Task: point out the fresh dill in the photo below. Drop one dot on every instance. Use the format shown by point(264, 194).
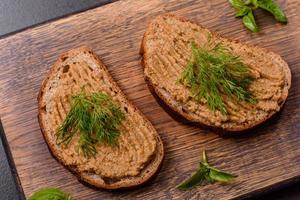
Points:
point(213, 71)
point(95, 117)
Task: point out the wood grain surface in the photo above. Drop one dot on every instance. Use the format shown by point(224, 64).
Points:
point(265, 158)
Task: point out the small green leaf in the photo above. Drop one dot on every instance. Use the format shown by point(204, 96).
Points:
point(204, 157)
point(205, 172)
point(220, 176)
point(237, 4)
point(249, 22)
point(50, 194)
point(253, 2)
point(196, 179)
point(274, 9)
point(240, 8)
point(242, 12)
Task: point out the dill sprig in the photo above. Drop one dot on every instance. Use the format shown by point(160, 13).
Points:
point(212, 71)
point(95, 118)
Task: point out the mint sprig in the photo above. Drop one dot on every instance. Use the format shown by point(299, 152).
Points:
point(205, 172)
point(244, 9)
point(50, 194)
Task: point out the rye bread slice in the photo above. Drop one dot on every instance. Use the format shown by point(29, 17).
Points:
point(140, 151)
point(166, 50)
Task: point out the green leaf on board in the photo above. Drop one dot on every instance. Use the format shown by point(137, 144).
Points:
point(50, 194)
point(205, 172)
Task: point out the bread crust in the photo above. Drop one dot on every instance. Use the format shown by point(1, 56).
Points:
point(177, 112)
point(90, 178)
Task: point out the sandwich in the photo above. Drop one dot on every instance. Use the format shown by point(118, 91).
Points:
point(210, 80)
point(92, 128)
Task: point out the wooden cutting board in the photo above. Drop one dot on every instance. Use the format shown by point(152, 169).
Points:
point(266, 158)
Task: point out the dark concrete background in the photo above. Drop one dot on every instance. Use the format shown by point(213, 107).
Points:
point(16, 15)
point(19, 14)
point(9, 185)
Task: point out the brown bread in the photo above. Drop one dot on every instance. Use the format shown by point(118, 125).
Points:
point(139, 152)
point(166, 49)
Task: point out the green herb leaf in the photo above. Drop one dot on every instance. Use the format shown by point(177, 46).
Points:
point(95, 118)
point(237, 4)
point(204, 157)
point(50, 194)
point(253, 2)
point(213, 71)
point(220, 176)
point(240, 8)
point(274, 9)
point(196, 179)
point(249, 22)
point(243, 12)
point(205, 172)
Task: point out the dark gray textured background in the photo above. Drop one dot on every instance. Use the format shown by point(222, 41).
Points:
point(16, 15)
point(19, 14)
point(9, 186)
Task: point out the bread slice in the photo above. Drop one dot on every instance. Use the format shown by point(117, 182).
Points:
point(166, 49)
point(139, 152)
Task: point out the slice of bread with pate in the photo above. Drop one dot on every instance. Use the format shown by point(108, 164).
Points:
point(166, 51)
point(139, 152)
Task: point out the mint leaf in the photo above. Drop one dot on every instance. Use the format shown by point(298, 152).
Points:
point(237, 4)
point(274, 9)
point(205, 172)
point(253, 2)
point(220, 176)
point(249, 22)
point(243, 10)
point(196, 179)
point(204, 157)
point(50, 194)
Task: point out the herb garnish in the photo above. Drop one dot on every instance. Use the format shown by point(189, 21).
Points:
point(245, 10)
point(95, 117)
point(205, 172)
point(50, 193)
point(212, 71)
point(270, 6)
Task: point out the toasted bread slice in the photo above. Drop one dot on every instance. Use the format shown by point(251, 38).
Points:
point(166, 49)
point(139, 152)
